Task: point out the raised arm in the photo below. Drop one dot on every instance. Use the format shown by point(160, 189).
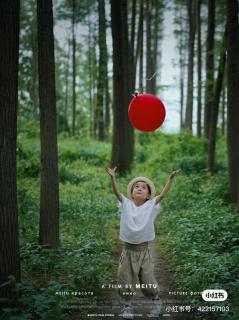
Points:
point(111, 173)
point(167, 186)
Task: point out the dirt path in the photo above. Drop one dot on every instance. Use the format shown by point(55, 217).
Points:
point(112, 305)
point(109, 304)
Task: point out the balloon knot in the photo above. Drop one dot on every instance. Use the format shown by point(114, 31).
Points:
point(135, 93)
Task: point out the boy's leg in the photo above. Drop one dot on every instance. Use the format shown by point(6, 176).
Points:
point(151, 289)
point(147, 278)
point(127, 277)
point(127, 274)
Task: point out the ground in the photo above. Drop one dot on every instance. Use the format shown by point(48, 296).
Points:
point(112, 304)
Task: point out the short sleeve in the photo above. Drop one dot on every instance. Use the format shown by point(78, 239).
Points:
point(156, 205)
point(120, 204)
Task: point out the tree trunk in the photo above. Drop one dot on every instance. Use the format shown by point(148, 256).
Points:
point(192, 27)
point(139, 49)
point(209, 67)
point(233, 99)
point(132, 45)
point(93, 77)
point(102, 70)
point(199, 64)
point(34, 62)
point(149, 58)
point(156, 24)
point(122, 146)
point(49, 200)
point(90, 77)
point(223, 110)
point(182, 60)
point(214, 111)
point(9, 243)
point(107, 105)
point(92, 67)
point(107, 93)
point(73, 68)
point(66, 85)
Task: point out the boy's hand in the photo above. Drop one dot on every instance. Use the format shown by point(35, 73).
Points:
point(167, 186)
point(173, 174)
point(111, 171)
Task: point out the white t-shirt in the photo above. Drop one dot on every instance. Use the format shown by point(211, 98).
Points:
point(137, 223)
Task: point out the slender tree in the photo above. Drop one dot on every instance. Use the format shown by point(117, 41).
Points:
point(9, 243)
point(92, 67)
point(67, 65)
point(122, 146)
point(140, 46)
point(34, 91)
point(233, 99)
point(107, 103)
point(157, 22)
point(149, 54)
point(199, 66)
point(181, 34)
point(215, 108)
point(132, 44)
point(191, 5)
point(223, 109)
point(49, 199)
point(209, 67)
point(73, 26)
point(102, 72)
point(94, 84)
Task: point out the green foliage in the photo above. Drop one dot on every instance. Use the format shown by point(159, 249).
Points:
point(34, 302)
point(92, 154)
point(86, 205)
point(28, 129)
point(28, 207)
point(198, 229)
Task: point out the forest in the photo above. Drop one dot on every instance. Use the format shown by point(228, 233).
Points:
point(68, 72)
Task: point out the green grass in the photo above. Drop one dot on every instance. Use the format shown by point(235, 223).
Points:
point(197, 227)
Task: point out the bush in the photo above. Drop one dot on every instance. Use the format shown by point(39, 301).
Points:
point(198, 228)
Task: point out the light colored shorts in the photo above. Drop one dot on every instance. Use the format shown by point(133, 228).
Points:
point(136, 271)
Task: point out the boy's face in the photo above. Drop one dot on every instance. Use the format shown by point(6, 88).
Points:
point(141, 191)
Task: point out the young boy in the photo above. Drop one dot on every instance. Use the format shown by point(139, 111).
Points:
point(138, 213)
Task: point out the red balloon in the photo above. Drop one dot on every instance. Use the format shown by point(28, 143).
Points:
point(146, 112)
